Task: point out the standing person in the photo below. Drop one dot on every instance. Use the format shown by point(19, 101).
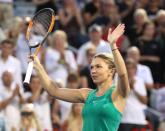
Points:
point(103, 106)
point(142, 71)
point(59, 61)
point(133, 115)
point(40, 101)
point(95, 34)
point(151, 51)
point(9, 62)
point(11, 98)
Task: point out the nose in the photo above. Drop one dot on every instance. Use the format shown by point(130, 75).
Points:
point(93, 71)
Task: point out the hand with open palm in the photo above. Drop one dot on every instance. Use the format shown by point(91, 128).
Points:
point(114, 35)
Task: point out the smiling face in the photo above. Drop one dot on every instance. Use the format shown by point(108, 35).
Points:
point(100, 71)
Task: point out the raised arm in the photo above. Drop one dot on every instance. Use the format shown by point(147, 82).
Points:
point(70, 95)
point(123, 87)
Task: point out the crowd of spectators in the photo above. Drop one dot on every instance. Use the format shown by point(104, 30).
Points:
point(80, 31)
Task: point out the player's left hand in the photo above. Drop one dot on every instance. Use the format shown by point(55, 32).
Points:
point(116, 33)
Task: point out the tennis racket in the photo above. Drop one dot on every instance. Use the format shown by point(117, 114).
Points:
point(38, 30)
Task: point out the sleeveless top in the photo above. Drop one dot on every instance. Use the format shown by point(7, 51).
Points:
point(99, 113)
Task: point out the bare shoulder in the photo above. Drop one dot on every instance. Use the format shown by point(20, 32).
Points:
point(84, 92)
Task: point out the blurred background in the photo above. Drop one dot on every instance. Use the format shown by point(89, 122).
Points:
point(80, 31)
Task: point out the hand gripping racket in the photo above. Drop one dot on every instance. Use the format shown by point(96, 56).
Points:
point(38, 30)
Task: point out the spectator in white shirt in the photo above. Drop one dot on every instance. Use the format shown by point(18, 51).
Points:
point(41, 103)
point(9, 62)
point(143, 71)
point(10, 100)
point(95, 34)
point(22, 49)
point(160, 106)
point(58, 60)
point(133, 115)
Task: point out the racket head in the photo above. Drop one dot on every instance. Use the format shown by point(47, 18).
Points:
point(39, 27)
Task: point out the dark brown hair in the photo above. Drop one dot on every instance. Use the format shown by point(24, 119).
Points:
point(8, 41)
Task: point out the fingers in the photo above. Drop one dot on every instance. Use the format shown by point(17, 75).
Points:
point(110, 31)
point(122, 26)
point(32, 58)
point(36, 62)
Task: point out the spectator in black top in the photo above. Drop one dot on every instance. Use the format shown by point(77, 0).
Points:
point(140, 17)
point(150, 50)
point(127, 8)
point(71, 22)
point(161, 38)
point(89, 12)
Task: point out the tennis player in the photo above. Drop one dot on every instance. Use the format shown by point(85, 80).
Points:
point(103, 106)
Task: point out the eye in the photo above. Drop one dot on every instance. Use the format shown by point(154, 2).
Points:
point(91, 67)
point(98, 66)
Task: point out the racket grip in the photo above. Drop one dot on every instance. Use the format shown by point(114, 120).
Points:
point(28, 74)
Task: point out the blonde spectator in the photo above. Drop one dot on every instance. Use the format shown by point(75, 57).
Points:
point(140, 13)
point(150, 56)
point(140, 17)
point(58, 60)
point(160, 15)
point(6, 13)
point(29, 120)
point(160, 20)
point(14, 29)
point(74, 121)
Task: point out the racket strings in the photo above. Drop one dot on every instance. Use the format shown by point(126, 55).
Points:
point(42, 22)
point(41, 26)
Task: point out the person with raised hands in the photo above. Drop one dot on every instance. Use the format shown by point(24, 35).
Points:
point(104, 105)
